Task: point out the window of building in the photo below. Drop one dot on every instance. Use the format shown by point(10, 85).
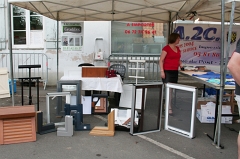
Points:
point(27, 27)
point(137, 38)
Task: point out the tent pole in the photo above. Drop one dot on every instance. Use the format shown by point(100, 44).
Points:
point(219, 103)
point(57, 43)
point(10, 50)
point(223, 77)
point(169, 24)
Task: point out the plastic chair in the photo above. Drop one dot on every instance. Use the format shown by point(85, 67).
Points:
point(119, 68)
point(85, 64)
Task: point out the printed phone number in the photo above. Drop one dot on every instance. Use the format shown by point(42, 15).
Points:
point(140, 32)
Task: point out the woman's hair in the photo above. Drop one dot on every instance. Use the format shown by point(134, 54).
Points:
point(173, 37)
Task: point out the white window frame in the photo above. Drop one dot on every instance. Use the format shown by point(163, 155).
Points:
point(171, 86)
point(38, 43)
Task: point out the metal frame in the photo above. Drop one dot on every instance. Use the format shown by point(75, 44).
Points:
point(20, 59)
point(143, 107)
point(78, 83)
point(55, 94)
point(99, 96)
point(194, 90)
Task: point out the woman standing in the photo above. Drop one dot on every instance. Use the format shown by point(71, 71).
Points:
point(170, 62)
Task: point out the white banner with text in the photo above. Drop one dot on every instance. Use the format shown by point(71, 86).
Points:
point(200, 44)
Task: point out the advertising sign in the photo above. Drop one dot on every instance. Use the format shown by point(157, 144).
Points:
point(72, 36)
point(200, 44)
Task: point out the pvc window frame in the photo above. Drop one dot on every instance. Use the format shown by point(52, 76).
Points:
point(194, 90)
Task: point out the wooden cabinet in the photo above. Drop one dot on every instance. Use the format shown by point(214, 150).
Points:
point(17, 124)
point(94, 71)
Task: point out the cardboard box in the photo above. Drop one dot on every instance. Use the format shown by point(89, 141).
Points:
point(94, 71)
point(207, 113)
point(226, 98)
point(199, 103)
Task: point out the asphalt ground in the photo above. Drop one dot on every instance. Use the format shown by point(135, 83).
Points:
point(81, 145)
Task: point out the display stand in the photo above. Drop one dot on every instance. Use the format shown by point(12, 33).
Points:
point(78, 122)
point(137, 69)
point(55, 94)
point(105, 131)
point(68, 129)
point(68, 108)
point(78, 116)
point(46, 128)
point(29, 78)
point(77, 83)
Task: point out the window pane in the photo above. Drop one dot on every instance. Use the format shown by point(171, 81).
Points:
point(137, 37)
point(77, 41)
point(17, 11)
point(65, 41)
point(33, 13)
point(19, 23)
point(36, 22)
point(71, 41)
point(19, 37)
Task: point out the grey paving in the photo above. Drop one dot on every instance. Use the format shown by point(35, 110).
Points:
point(158, 145)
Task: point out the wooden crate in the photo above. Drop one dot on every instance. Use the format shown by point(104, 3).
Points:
point(17, 124)
point(94, 71)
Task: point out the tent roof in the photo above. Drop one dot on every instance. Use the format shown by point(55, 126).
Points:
point(211, 10)
point(125, 10)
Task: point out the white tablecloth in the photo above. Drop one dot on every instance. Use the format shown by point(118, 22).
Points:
point(113, 84)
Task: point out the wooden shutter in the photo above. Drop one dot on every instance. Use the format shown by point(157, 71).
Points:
point(17, 124)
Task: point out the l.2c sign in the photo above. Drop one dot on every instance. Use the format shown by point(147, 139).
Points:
point(198, 33)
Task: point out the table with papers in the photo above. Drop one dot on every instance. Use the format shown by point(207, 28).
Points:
point(201, 77)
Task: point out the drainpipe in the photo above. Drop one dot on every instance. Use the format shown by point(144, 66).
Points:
point(57, 43)
point(10, 50)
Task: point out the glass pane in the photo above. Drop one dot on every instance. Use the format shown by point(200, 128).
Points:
point(181, 106)
point(150, 108)
point(132, 39)
point(180, 109)
point(33, 13)
point(19, 37)
point(77, 41)
point(17, 11)
point(36, 23)
point(150, 118)
point(19, 23)
point(71, 41)
point(65, 41)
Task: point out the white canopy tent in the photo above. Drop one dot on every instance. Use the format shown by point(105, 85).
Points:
point(112, 10)
point(162, 11)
